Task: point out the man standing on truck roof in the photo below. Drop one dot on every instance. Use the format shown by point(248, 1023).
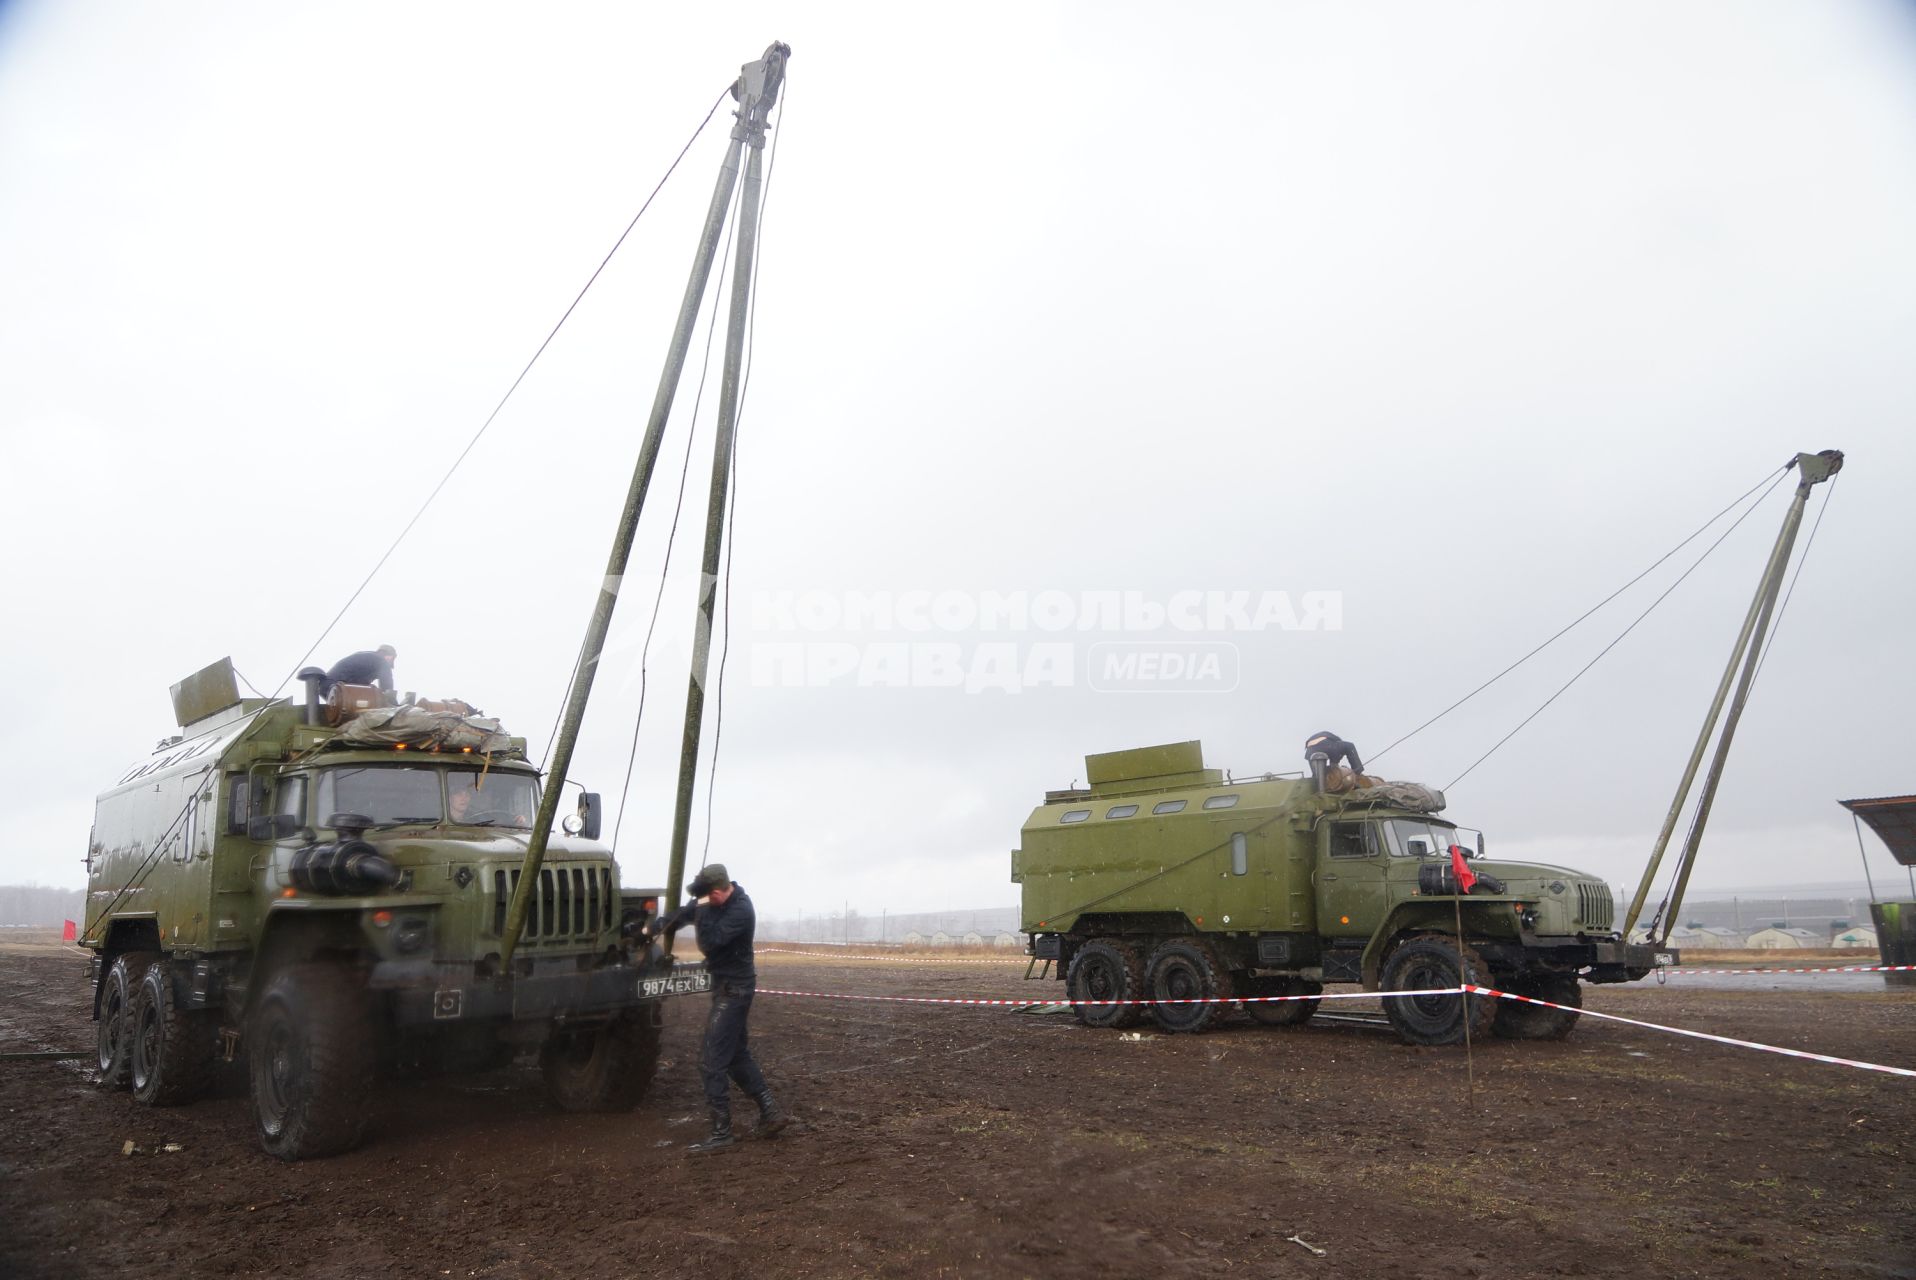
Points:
point(368, 666)
point(726, 924)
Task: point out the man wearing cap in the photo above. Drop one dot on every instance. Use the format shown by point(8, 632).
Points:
point(368, 666)
point(726, 923)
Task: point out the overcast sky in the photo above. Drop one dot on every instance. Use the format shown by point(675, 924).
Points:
point(1461, 314)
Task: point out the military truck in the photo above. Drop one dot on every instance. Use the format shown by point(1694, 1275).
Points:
point(322, 890)
point(1163, 881)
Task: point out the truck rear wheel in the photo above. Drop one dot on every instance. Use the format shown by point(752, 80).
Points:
point(173, 1049)
point(1519, 1021)
point(1103, 973)
point(1187, 971)
point(113, 1039)
point(310, 1053)
point(1287, 1013)
point(1433, 961)
point(603, 1068)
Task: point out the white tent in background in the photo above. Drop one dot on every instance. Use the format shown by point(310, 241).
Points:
point(1783, 938)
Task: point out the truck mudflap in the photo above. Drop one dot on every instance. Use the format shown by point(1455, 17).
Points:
point(1629, 961)
point(424, 992)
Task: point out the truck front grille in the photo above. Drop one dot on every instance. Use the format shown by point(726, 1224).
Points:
point(568, 903)
point(1595, 905)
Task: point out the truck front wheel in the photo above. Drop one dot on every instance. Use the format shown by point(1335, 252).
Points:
point(1103, 975)
point(603, 1068)
point(1189, 989)
point(113, 1040)
point(173, 1049)
point(310, 1051)
point(1431, 962)
point(1519, 1021)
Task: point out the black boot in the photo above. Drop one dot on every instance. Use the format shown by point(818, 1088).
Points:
point(771, 1116)
point(720, 1138)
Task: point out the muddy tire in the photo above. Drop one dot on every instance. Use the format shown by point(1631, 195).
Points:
point(113, 1038)
point(1101, 973)
point(1430, 961)
point(173, 1050)
point(1181, 971)
point(603, 1068)
point(1518, 1021)
point(1290, 1013)
point(310, 1051)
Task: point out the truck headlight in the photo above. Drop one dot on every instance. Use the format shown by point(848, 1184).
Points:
point(412, 935)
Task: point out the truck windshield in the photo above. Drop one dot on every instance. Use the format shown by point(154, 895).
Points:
point(481, 799)
point(1425, 838)
point(387, 794)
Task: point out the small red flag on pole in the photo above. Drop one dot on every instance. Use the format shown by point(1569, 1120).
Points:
point(71, 933)
point(1465, 876)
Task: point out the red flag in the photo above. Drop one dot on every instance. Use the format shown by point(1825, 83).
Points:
point(1465, 876)
point(71, 933)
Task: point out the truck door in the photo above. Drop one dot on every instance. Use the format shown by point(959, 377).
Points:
point(1351, 872)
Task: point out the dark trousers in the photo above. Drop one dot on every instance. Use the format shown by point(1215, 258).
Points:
point(726, 1056)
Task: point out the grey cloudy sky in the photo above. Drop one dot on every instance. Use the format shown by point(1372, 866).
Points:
point(1463, 312)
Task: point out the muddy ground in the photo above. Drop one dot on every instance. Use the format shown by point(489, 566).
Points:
point(949, 1141)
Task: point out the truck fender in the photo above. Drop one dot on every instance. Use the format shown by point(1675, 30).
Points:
point(1427, 916)
point(141, 933)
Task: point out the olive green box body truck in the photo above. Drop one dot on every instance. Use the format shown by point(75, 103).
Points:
point(1161, 881)
point(335, 910)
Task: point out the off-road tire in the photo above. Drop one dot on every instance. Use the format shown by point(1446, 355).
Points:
point(173, 1050)
point(113, 1038)
point(1289, 1013)
point(1187, 970)
point(310, 1050)
point(603, 1068)
point(1516, 1020)
point(1434, 961)
point(1101, 972)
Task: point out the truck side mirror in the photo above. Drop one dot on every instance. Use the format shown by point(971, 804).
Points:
point(587, 821)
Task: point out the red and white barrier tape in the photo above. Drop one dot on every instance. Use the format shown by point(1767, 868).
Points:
point(1667, 973)
point(1101, 1004)
point(1848, 968)
point(1368, 995)
point(1703, 1035)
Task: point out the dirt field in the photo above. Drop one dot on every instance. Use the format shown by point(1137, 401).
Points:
point(942, 1141)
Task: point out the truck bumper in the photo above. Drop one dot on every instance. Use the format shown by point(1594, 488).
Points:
point(424, 992)
point(1628, 961)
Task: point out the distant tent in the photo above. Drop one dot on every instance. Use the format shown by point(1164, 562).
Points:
point(941, 939)
point(1861, 936)
point(914, 939)
point(1005, 940)
point(1782, 938)
point(974, 939)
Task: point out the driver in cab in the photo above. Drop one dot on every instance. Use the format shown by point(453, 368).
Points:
point(467, 804)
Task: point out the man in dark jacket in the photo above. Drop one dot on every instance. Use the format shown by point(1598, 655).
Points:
point(726, 923)
point(368, 666)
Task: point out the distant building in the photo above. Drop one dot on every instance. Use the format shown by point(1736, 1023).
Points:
point(1780, 937)
point(941, 939)
point(1859, 936)
point(974, 939)
point(914, 939)
point(1011, 940)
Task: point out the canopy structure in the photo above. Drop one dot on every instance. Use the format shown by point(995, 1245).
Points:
point(1894, 819)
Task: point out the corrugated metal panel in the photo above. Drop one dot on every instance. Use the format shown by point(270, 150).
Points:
point(1894, 819)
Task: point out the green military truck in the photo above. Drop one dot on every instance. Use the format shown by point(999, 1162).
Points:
point(323, 889)
point(1162, 881)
